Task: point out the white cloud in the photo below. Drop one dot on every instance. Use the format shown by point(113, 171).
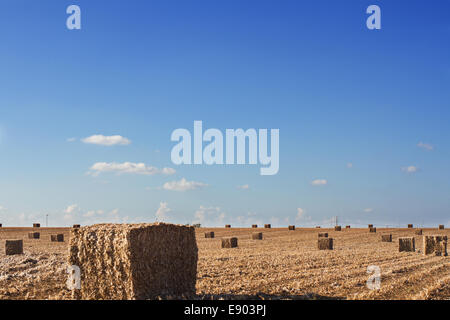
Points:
point(183, 185)
point(349, 165)
point(71, 139)
point(72, 208)
point(300, 213)
point(425, 146)
point(244, 187)
point(127, 167)
point(209, 215)
point(163, 210)
point(410, 169)
point(368, 210)
point(319, 182)
point(93, 213)
point(106, 140)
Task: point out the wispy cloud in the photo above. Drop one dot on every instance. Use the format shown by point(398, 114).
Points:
point(162, 212)
point(71, 139)
point(71, 208)
point(183, 185)
point(127, 167)
point(368, 210)
point(425, 146)
point(319, 182)
point(209, 215)
point(100, 139)
point(244, 187)
point(410, 169)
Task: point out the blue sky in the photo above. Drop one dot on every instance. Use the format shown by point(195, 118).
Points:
point(339, 93)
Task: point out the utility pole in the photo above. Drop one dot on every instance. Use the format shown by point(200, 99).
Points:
point(46, 219)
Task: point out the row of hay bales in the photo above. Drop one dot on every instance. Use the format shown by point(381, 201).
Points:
point(336, 228)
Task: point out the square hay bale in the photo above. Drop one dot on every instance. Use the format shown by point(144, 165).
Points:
point(406, 244)
point(418, 232)
point(13, 247)
point(134, 261)
point(410, 226)
point(267, 226)
point(318, 227)
point(370, 226)
point(435, 245)
point(1, 225)
point(291, 228)
point(34, 235)
point(229, 242)
point(36, 225)
point(76, 226)
point(337, 228)
point(228, 226)
point(325, 243)
point(57, 238)
point(441, 227)
point(209, 234)
point(386, 238)
point(347, 227)
point(323, 235)
point(373, 230)
point(257, 236)
point(254, 226)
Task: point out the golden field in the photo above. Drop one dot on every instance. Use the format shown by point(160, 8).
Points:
point(284, 265)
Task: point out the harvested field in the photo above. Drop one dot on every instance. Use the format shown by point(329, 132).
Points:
point(286, 265)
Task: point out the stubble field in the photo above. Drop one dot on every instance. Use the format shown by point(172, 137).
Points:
point(284, 265)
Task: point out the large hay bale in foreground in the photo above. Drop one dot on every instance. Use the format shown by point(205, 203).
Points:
point(323, 235)
point(267, 226)
point(418, 232)
point(13, 247)
point(373, 230)
point(441, 227)
point(140, 261)
point(435, 245)
point(325, 243)
point(406, 244)
point(57, 237)
point(386, 238)
point(229, 242)
point(410, 226)
point(209, 234)
point(257, 236)
point(36, 225)
point(337, 228)
point(292, 228)
point(254, 226)
point(34, 235)
point(228, 226)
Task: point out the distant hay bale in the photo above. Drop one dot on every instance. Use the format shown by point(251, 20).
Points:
point(34, 235)
point(134, 261)
point(323, 235)
point(13, 247)
point(267, 226)
point(209, 234)
point(325, 243)
point(76, 226)
point(318, 227)
point(418, 232)
point(291, 228)
point(1, 225)
point(370, 226)
point(228, 226)
point(229, 242)
point(257, 236)
point(36, 225)
point(386, 238)
point(435, 245)
point(410, 226)
point(337, 228)
point(254, 226)
point(57, 238)
point(347, 227)
point(373, 230)
point(406, 244)
point(441, 227)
